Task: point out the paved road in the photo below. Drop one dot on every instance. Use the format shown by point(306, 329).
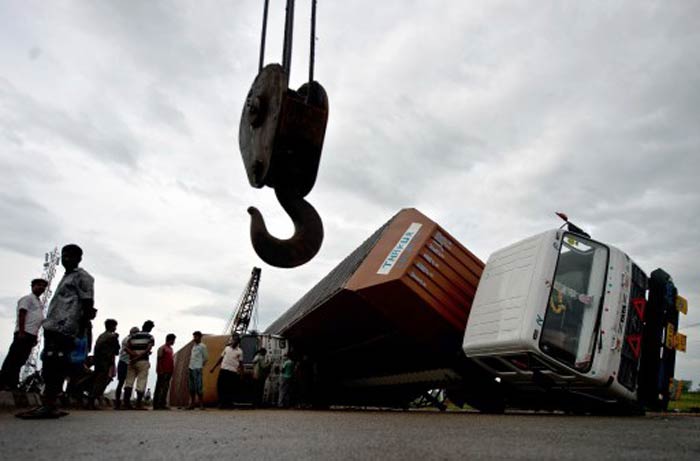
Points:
point(276, 434)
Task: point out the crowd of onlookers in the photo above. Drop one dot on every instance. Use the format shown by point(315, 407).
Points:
point(70, 361)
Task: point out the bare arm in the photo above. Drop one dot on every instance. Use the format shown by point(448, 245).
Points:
point(115, 345)
point(138, 355)
point(218, 362)
point(22, 320)
point(147, 352)
point(131, 353)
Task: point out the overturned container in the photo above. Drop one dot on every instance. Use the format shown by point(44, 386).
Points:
point(387, 323)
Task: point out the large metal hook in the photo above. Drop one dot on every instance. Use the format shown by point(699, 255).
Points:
point(281, 137)
point(296, 250)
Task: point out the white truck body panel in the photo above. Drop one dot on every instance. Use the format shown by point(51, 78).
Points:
point(504, 311)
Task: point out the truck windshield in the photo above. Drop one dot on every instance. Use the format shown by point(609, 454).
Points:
point(568, 333)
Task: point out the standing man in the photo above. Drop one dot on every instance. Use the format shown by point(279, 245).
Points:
point(286, 377)
point(261, 370)
point(106, 348)
point(164, 368)
point(198, 359)
point(30, 314)
point(122, 368)
point(70, 312)
point(139, 349)
point(231, 362)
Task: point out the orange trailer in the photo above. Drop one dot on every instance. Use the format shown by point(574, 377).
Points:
point(390, 315)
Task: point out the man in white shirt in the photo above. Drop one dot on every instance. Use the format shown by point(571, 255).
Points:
point(198, 359)
point(30, 314)
point(231, 362)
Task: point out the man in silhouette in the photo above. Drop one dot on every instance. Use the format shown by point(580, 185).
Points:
point(71, 309)
point(30, 314)
point(139, 349)
point(164, 369)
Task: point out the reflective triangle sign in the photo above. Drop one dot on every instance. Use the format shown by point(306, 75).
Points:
point(635, 342)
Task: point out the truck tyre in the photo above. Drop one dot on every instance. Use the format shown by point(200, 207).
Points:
point(491, 405)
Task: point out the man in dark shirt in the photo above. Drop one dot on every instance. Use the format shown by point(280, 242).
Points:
point(164, 369)
point(139, 349)
point(68, 318)
point(106, 348)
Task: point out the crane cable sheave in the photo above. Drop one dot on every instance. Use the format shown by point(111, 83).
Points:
point(281, 136)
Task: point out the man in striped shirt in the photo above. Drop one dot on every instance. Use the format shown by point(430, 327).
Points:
point(139, 349)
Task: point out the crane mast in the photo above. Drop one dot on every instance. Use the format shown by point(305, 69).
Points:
point(240, 319)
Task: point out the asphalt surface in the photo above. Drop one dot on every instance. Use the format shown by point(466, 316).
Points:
point(386, 435)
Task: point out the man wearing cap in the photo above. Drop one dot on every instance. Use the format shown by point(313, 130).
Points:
point(71, 309)
point(30, 314)
point(198, 358)
point(139, 349)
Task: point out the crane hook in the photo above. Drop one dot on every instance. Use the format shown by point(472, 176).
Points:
point(281, 137)
point(300, 247)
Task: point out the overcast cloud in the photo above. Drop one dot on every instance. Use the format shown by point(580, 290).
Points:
point(119, 124)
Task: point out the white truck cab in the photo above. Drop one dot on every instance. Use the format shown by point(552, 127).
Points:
point(560, 311)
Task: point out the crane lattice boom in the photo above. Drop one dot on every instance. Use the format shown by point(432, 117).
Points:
point(240, 319)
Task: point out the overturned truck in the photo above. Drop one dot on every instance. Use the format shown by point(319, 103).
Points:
point(556, 321)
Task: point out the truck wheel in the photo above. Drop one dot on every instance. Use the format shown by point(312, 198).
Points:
point(621, 409)
point(488, 406)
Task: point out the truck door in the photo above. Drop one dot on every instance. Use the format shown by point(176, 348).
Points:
point(573, 312)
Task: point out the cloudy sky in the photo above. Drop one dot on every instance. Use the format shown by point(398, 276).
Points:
point(119, 131)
